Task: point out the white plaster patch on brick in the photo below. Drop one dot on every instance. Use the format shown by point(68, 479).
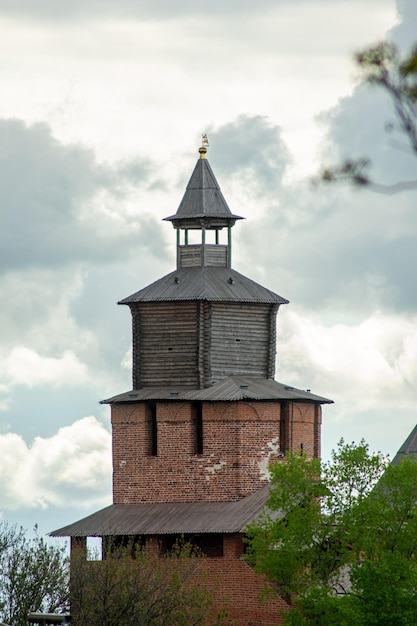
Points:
point(216, 467)
point(271, 448)
point(122, 463)
point(263, 466)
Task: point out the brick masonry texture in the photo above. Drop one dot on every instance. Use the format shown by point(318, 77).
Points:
point(238, 589)
point(240, 440)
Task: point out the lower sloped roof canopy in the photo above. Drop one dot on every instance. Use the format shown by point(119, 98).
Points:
point(170, 518)
point(231, 388)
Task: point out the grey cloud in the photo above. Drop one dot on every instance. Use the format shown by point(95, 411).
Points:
point(250, 148)
point(47, 192)
point(51, 9)
point(404, 33)
point(351, 251)
point(55, 407)
point(64, 263)
point(365, 125)
point(336, 251)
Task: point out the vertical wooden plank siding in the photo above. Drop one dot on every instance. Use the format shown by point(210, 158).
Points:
point(272, 339)
point(135, 348)
point(240, 339)
point(198, 343)
point(166, 344)
point(204, 344)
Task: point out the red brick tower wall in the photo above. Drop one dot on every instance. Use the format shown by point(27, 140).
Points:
point(238, 590)
point(239, 441)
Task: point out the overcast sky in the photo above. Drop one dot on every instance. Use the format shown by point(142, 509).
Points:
point(102, 108)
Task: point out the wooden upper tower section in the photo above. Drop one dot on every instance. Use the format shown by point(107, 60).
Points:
point(204, 321)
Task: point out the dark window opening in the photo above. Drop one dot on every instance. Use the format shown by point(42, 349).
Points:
point(317, 410)
point(122, 546)
point(198, 427)
point(152, 429)
point(284, 428)
point(208, 544)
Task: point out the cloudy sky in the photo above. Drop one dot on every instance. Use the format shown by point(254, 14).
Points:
point(102, 108)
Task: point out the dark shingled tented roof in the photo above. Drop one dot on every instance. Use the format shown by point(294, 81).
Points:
point(409, 447)
point(170, 518)
point(231, 388)
point(202, 197)
point(213, 284)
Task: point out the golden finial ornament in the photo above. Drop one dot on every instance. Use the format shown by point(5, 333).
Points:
point(204, 146)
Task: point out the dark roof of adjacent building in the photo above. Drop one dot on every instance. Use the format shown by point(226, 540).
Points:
point(229, 389)
point(167, 518)
point(212, 284)
point(202, 197)
point(409, 447)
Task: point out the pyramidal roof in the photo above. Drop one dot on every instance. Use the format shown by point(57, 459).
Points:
point(203, 197)
point(409, 448)
point(212, 284)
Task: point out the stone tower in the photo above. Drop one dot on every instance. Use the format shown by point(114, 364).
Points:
point(193, 439)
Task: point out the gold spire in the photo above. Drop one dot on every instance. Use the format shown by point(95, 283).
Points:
point(204, 146)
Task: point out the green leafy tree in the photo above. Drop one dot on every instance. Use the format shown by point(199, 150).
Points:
point(344, 548)
point(381, 66)
point(34, 575)
point(138, 586)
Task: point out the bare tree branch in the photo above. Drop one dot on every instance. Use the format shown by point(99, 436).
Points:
point(381, 66)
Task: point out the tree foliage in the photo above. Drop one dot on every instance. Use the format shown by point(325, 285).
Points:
point(381, 66)
point(138, 586)
point(34, 575)
point(344, 549)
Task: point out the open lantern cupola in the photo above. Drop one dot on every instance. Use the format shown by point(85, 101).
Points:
point(203, 208)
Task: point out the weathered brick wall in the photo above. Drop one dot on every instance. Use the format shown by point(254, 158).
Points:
point(304, 428)
point(235, 588)
point(238, 590)
point(240, 440)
